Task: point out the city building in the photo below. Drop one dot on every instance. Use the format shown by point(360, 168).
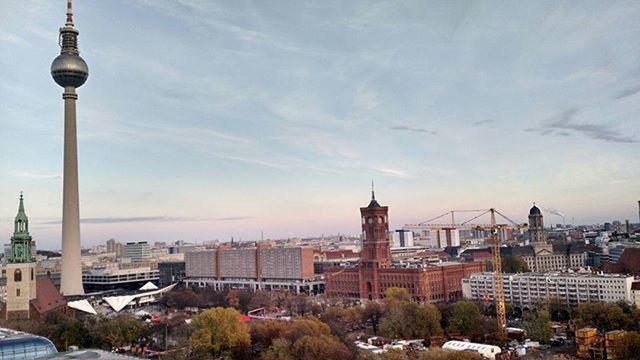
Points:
point(137, 251)
point(531, 289)
point(19, 345)
point(109, 278)
point(257, 268)
point(21, 269)
point(635, 293)
point(375, 271)
point(403, 238)
point(171, 272)
point(70, 71)
point(24, 293)
point(550, 257)
point(115, 247)
point(542, 256)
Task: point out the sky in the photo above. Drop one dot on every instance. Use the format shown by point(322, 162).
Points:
point(204, 120)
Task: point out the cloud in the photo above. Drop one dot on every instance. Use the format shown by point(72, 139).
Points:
point(483, 122)
point(564, 124)
point(29, 175)
point(413, 129)
point(627, 92)
point(136, 219)
point(393, 173)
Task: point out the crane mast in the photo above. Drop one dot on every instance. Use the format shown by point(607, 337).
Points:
point(498, 285)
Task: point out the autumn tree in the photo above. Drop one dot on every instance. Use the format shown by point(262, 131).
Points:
point(538, 325)
point(372, 313)
point(342, 320)
point(558, 309)
point(218, 332)
point(280, 350)
point(604, 316)
point(628, 347)
point(410, 320)
point(439, 354)
point(396, 294)
point(64, 331)
point(466, 319)
point(180, 299)
point(308, 326)
point(264, 333)
point(323, 347)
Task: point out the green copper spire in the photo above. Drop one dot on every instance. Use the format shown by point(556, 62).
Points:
point(21, 240)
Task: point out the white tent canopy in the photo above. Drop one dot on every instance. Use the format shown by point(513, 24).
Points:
point(82, 305)
point(120, 302)
point(149, 286)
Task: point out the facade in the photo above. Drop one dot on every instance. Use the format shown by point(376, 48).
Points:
point(255, 268)
point(137, 251)
point(70, 71)
point(550, 257)
point(635, 293)
point(21, 269)
point(532, 289)
point(402, 238)
point(542, 256)
point(109, 279)
point(375, 272)
point(171, 272)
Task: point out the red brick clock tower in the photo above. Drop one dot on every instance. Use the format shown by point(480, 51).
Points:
point(376, 250)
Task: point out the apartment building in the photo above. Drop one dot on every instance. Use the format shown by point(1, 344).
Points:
point(530, 289)
point(255, 268)
point(137, 251)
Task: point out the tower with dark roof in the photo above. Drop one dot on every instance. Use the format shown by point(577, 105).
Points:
point(536, 226)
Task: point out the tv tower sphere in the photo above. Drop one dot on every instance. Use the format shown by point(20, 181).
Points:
point(69, 70)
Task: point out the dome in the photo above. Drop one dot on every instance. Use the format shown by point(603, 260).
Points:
point(534, 211)
point(69, 70)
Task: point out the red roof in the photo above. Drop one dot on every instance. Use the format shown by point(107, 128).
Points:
point(629, 262)
point(244, 318)
point(340, 254)
point(47, 296)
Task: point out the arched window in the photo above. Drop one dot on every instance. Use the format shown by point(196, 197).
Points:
point(17, 275)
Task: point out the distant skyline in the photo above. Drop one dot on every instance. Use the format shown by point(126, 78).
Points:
point(204, 120)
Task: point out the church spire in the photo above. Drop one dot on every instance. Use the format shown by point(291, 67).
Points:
point(373, 202)
point(21, 240)
point(373, 191)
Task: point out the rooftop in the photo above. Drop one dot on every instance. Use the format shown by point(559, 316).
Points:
point(565, 274)
point(86, 354)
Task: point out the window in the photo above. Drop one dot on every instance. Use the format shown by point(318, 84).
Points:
point(17, 275)
point(31, 273)
point(17, 292)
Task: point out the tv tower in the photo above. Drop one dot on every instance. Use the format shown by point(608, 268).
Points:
point(70, 71)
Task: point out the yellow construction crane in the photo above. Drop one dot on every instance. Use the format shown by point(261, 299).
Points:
point(498, 284)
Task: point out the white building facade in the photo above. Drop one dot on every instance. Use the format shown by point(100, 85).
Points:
point(531, 289)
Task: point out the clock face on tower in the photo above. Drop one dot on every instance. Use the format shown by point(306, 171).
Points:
point(370, 221)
